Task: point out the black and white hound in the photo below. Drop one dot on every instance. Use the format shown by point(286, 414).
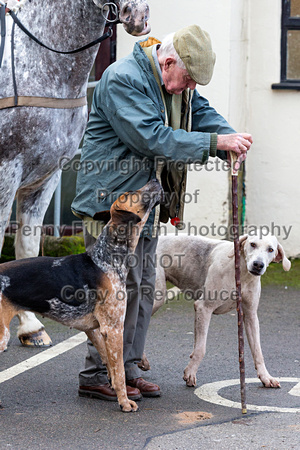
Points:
point(86, 291)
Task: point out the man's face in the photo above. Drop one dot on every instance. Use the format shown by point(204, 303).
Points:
point(175, 79)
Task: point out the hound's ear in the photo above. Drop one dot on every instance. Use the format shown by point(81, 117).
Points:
point(286, 264)
point(121, 217)
point(242, 240)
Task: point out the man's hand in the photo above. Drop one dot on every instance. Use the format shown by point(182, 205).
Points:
point(239, 143)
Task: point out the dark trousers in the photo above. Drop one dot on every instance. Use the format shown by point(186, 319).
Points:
point(140, 296)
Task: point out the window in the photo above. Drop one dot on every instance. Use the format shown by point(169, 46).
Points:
point(105, 57)
point(290, 46)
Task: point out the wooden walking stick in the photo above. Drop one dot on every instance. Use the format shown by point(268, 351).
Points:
point(235, 222)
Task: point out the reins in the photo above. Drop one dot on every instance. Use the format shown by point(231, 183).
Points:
point(54, 103)
point(108, 34)
point(3, 30)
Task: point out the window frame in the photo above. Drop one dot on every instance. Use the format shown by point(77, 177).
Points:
point(287, 23)
point(106, 55)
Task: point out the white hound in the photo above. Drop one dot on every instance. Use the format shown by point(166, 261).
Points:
point(203, 269)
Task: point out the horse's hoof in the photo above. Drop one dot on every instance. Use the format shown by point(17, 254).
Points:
point(38, 339)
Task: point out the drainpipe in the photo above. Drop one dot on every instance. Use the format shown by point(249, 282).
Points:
point(57, 209)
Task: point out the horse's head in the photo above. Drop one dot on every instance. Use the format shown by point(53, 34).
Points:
point(133, 14)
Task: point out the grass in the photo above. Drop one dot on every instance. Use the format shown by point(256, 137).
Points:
point(276, 276)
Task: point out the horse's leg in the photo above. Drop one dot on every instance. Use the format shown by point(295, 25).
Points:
point(31, 209)
point(10, 177)
point(8, 191)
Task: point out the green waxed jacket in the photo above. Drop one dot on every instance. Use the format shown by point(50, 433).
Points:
point(126, 135)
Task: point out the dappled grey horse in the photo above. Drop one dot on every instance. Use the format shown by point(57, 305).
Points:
point(35, 138)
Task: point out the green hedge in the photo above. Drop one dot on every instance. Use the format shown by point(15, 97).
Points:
point(51, 247)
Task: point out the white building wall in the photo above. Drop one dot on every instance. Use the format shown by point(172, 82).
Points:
point(246, 39)
point(213, 16)
point(273, 187)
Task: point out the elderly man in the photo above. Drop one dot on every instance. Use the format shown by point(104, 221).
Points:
point(147, 113)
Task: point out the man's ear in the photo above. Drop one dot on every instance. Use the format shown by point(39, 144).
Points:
point(122, 217)
point(169, 62)
point(280, 256)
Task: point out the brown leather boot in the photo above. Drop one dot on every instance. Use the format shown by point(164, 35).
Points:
point(146, 388)
point(106, 392)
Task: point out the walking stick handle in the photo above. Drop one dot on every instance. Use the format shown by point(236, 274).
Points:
point(234, 166)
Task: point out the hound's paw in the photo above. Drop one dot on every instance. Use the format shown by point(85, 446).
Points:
point(269, 382)
point(189, 377)
point(129, 406)
point(144, 364)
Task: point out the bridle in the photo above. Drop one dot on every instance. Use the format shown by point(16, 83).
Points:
point(113, 14)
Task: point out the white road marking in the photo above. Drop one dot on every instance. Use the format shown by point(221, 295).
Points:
point(295, 390)
point(209, 393)
point(42, 357)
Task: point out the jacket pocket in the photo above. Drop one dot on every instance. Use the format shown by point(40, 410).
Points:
point(119, 185)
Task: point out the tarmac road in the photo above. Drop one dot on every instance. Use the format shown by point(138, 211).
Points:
point(41, 409)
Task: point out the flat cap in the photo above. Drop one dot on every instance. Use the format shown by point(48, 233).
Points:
point(193, 46)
